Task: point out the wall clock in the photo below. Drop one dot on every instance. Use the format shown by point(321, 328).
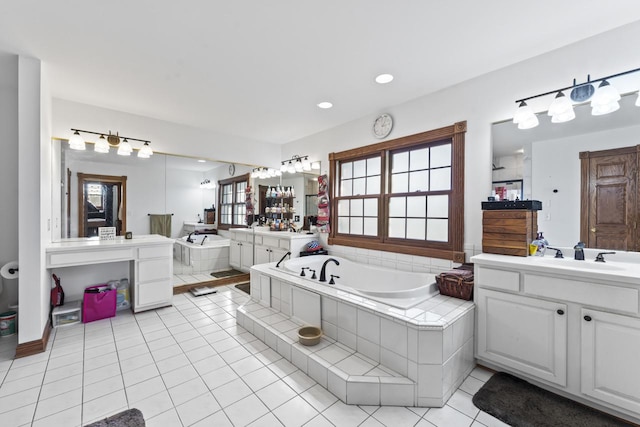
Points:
point(382, 126)
point(232, 169)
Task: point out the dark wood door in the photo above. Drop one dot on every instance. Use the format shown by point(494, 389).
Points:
point(609, 199)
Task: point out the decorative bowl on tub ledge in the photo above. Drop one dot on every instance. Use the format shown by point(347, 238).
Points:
point(309, 335)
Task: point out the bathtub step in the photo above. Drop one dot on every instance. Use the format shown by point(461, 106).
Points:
point(351, 376)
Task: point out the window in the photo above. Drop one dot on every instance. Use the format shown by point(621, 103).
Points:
point(231, 200)
point(404, 195)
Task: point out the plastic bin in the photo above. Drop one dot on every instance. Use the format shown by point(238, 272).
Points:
point(67, 314)
point(7, 323)
point(99, 302)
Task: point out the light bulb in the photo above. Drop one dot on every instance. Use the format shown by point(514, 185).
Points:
point(125, 148)
point(306, 164)
point(102, 146)
point(145, 152)
point(76, 142)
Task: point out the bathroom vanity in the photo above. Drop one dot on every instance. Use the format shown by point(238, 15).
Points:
point(260, 245)
point(149, 257)
point(569, 326)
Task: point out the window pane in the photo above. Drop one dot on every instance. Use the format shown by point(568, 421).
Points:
point(419, 159)
point(419, 181)
point(373, 185)
point(400, 183)
point(400, 162)
point(346, 170)
point(356, 207)
point(396, 227)
point(417, 206)
point(370, 226)
point(438, 206)
point(415, 228)
point(438, 230)
point(373, 166)
point(441, 156)
point(359, 168)
point(343, 224)
point(441, 179)
point(356, 225)
point(345, 188)
point(397, 206)
point(343, 208)
point(359, 186)
point(371, 207)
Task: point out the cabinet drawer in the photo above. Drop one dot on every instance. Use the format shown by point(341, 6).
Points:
point(154, 252)
point(152, 270)
point(156, 292)
point(80, 257)
point(593, 294)
point(498, 279)
point(270, 241)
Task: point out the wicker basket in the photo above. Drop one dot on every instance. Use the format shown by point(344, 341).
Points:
point(456, 283)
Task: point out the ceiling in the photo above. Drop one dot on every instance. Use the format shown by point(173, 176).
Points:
point(257, 69)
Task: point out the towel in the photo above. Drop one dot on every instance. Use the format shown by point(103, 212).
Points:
point(160, 224)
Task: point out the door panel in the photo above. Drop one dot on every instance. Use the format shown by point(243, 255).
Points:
point(609, 198)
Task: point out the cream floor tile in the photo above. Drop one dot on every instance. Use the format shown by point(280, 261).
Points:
point(276, 394)
point(102, 388)
point(168, 418)
point(239, 415)
point(231, 392)
point(447, 417)
point(144, 389)
point(155, 404)
point(396, 416)
point(295, 412)
point(198, 408)
point(187, 391)
point(60, 402)
point(19, 416)
point(71, 417)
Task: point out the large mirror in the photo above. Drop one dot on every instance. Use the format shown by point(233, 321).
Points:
point(546, 159)
point(122, 191)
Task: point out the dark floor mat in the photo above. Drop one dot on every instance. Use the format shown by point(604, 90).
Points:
point(226, 273)
point(520, 404)
point(129, 418)
point(244, 287)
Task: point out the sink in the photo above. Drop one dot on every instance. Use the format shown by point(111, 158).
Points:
point(577, 265)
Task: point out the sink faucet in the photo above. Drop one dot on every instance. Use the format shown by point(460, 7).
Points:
point(578, 255)
point(189, 239)
point(323, 271)
point(203, 239)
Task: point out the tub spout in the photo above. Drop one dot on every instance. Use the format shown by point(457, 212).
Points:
point(203, 239)
point(282, 259)
point(189, 239)
point(323, 272)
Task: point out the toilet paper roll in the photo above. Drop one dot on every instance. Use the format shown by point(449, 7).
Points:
point(6, 274)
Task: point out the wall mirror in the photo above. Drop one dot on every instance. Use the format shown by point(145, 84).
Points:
point(546, 158)
point(163, 183)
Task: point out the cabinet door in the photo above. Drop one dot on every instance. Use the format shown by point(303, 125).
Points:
point(247, 256)
point(263, 254)
point(610, 345)
point(522, 333)
point(234, 254)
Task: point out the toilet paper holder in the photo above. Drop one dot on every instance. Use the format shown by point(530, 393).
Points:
point(13, 270)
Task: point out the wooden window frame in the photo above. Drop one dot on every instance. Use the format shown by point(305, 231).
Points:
point(234, 181)
point(451, 250)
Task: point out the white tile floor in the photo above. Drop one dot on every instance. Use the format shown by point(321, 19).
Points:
point(190, 365)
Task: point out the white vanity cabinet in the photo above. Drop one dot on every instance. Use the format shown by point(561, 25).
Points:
point(526, 334)
point(609, 350)
point(250, 247)
point(271, 249)
point(573, 330)
point(152, 278)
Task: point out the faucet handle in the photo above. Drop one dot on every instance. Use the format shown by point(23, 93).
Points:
point(600, 256)
point(331, 281)
point(303, 269)
point(558, 252)
point(313, 275)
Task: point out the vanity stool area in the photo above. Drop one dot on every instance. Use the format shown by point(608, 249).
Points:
point(146, 260)
point(569, 326)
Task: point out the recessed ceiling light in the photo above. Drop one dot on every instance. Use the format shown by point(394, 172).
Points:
point(384, 78)
point(202, 161)
point(325, 105)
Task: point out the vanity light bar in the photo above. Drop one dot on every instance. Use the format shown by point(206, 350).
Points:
point(76, 142)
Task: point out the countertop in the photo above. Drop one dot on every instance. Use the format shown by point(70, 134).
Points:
point(91, 243)
point(264, 231)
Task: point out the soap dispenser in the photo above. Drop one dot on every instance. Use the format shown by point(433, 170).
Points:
point(541, 243)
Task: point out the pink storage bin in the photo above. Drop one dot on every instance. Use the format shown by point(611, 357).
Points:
point(99, 302)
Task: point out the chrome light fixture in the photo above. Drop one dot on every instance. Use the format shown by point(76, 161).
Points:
point(604, 100)
point(108, 140)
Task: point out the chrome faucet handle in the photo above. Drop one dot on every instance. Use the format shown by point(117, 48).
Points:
point(558, 252)
point(600, 256)
point(313, 274)
point(331, 281)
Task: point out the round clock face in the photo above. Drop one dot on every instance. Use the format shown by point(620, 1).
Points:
point(232, 169)
point(382, 126)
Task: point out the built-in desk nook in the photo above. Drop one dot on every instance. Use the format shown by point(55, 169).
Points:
point(147, 260)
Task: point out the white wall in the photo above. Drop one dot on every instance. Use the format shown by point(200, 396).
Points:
point(34, 186)
point(555, 166)
point(9, 171)
point(482, 101)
